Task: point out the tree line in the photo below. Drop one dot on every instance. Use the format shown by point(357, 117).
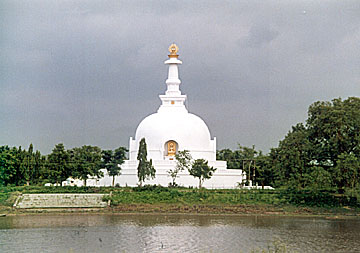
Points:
point(25, 167)
point(323, 153)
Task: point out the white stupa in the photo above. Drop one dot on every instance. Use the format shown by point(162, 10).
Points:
point(173, 125)
point(171, 129)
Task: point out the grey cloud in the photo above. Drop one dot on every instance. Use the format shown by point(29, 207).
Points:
point(87, 72)
point(260, 35)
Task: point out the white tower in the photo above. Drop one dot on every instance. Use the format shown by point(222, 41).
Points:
point(173, 97)
point(172, 127)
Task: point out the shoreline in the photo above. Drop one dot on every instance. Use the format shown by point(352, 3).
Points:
point(197, 210)
point(164, 201)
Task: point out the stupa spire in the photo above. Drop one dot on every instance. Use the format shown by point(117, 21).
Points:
point(173, 81)
point(173, 96)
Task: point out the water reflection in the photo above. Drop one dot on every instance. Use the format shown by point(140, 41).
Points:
point(174, 233)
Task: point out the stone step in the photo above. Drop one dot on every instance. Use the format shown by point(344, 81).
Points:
point(60, 200)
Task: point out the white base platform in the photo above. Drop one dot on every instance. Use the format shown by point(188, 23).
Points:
point(222, 179)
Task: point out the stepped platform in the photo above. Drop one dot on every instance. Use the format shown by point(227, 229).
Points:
point(58, 200)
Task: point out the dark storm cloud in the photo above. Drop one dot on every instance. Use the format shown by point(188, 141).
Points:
point(259, 35)
point(87, 72)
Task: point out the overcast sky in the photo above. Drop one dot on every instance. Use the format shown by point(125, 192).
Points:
point(87, 72)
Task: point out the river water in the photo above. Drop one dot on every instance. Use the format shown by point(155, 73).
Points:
point(175, 233)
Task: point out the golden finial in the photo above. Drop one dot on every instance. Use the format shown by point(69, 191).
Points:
point(173, 49)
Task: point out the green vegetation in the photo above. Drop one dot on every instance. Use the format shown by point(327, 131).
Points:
point(145, 168)
point(325, 152)
point(322, 155)
point(112, 161)
point(152, 194)
point(201, 170)
point(152, 198)
point(86, 162)
point(317, 164)
point(286, 196)
point(58, 164)
point(164, 195)
point(25, 167)
point(183, 162)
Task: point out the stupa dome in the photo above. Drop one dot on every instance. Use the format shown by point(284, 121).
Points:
point(187, 130)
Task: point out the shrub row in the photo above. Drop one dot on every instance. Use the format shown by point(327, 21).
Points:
point(319, 198)
point(152, 194)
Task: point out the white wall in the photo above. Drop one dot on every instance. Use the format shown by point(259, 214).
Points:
point(222, 178)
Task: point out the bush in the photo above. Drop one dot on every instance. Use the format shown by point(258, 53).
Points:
point(318, 197)
point(3, 198)
point(151, 188)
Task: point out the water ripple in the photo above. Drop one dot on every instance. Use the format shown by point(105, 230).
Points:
point(174, 233)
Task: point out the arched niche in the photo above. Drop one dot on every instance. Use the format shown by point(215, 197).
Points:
point(170, 148)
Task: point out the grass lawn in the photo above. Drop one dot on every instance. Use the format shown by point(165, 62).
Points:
point(185, 200)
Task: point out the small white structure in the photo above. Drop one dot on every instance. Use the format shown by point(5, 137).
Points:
point(170, 129)
point(74, 182)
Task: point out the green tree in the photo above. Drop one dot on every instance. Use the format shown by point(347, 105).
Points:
point(334, 132)
point(264, 174)
point(323, 153)
point(107, 156)
point(334, 128)
point(145, 169)
point(28, 165)
point(183, 162)
point(113, 160)
point(37, 176)
point(58, 164)
point(347, 170)
point(7, 165)
point(201, 170)
point(86, 162)
point(18, 178)
point(292, 157)
point(233, 159)
point(247, 159)
point(318, 178)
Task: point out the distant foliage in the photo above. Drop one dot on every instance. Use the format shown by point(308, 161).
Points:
point(112, 161)
point(18, 166)
point(251, 161)
point(316, 160)
point(324, 153)
point(58, 164)
point(86, 162)
point(26, 167)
